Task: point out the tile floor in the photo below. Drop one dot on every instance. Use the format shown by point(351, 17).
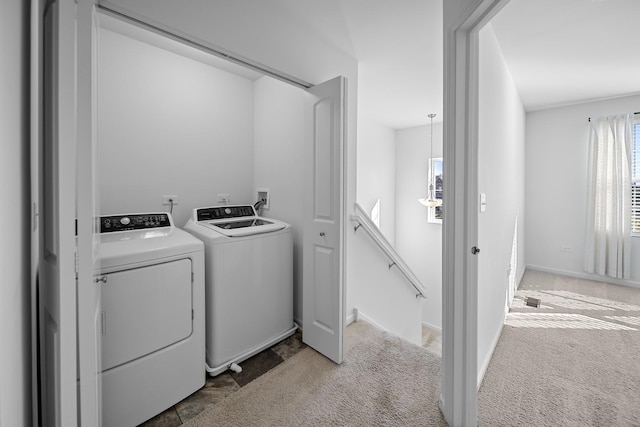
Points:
point(217, 388)
point(221, 386)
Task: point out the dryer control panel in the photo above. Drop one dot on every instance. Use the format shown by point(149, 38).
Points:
point(111, 223)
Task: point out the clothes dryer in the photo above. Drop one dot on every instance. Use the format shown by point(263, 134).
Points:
point(151, 323)
point(248, 282)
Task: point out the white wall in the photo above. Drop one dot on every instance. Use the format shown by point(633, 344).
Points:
point(557, 147)
point(382, 294)
point(376, 172)
point(169, 125)
point(501, 176)
point(280, 34)
point(419, 242)
point(15, 294)
point(279, 130)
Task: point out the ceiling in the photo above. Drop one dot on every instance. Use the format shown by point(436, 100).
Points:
point(558, 51)
point(399, 51)
point(570, 51)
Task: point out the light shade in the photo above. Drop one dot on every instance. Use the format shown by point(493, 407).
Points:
point(430, 203)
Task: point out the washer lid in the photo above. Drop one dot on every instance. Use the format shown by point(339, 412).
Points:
point(244, 226)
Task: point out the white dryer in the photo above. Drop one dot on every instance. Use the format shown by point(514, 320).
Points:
point(248, 282)
point(151, 279)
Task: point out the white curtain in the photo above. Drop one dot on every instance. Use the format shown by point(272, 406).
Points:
point(608, 249)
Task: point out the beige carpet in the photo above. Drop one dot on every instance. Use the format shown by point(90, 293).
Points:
point(575, 361)
point(384, 381)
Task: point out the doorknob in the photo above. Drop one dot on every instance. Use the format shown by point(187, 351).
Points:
point(475, 250)
point(322, 234)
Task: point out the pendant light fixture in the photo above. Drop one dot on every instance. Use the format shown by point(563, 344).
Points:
point(430, 201)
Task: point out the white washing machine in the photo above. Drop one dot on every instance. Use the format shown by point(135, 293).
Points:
point(151, 325)
point(248, 282)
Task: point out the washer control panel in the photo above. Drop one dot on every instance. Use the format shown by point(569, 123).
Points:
point(111, 223)
point(225, 212)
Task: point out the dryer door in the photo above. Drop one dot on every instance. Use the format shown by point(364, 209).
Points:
point(145, 309)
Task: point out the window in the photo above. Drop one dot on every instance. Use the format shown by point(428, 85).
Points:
point(435, 176)
point(375, 213)
point(635, 179)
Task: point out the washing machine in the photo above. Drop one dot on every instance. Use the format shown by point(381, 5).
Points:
point(151, 324)
point(248, 282)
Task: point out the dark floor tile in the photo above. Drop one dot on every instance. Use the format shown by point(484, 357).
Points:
point(203, 399)
point(290, 346)
point(168, 418)
point(255, 366)
point(222, 381)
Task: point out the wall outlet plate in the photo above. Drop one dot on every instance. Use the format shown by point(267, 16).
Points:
point(224, 198)
point(263, 194)
point(166, 200)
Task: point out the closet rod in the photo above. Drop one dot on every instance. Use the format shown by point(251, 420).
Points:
point(213, 50)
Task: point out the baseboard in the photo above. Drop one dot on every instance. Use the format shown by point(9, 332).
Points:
point(586, 276)
point(359, 315)
point(520, 276)
point(487, 360)
point(350, 319)
point(433, 327)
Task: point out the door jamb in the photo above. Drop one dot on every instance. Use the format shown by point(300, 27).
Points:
point(458, 398)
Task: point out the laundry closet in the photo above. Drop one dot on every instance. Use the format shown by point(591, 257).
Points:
point(174, 120)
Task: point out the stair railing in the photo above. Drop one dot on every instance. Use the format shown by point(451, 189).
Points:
point(361, 218)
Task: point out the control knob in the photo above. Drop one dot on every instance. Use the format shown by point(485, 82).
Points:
point(125, 220)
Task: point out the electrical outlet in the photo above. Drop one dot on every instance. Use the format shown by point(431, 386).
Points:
point(166, 200)
point(566, 249)
point(263, 194)
point(224, 198)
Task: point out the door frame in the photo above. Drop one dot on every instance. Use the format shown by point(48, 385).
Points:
point(88, 308)
point(85, 389)
point(459, 390)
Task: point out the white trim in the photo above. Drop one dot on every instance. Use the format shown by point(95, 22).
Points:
point(492, 349)
point(350, 318)
point(520, 276)
point(432, 327)
point(88, 299)
point(586, 276)
point(458, 399)
point(358, 315)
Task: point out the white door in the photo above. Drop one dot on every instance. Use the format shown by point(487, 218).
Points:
point(57, 281)
point(323, 243)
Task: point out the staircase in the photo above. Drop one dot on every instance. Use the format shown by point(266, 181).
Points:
point(382, 288)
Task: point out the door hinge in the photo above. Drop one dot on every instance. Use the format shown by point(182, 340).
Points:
point(77, 261)
point(192, 277)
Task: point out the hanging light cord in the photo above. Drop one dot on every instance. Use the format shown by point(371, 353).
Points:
point(431, 195)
